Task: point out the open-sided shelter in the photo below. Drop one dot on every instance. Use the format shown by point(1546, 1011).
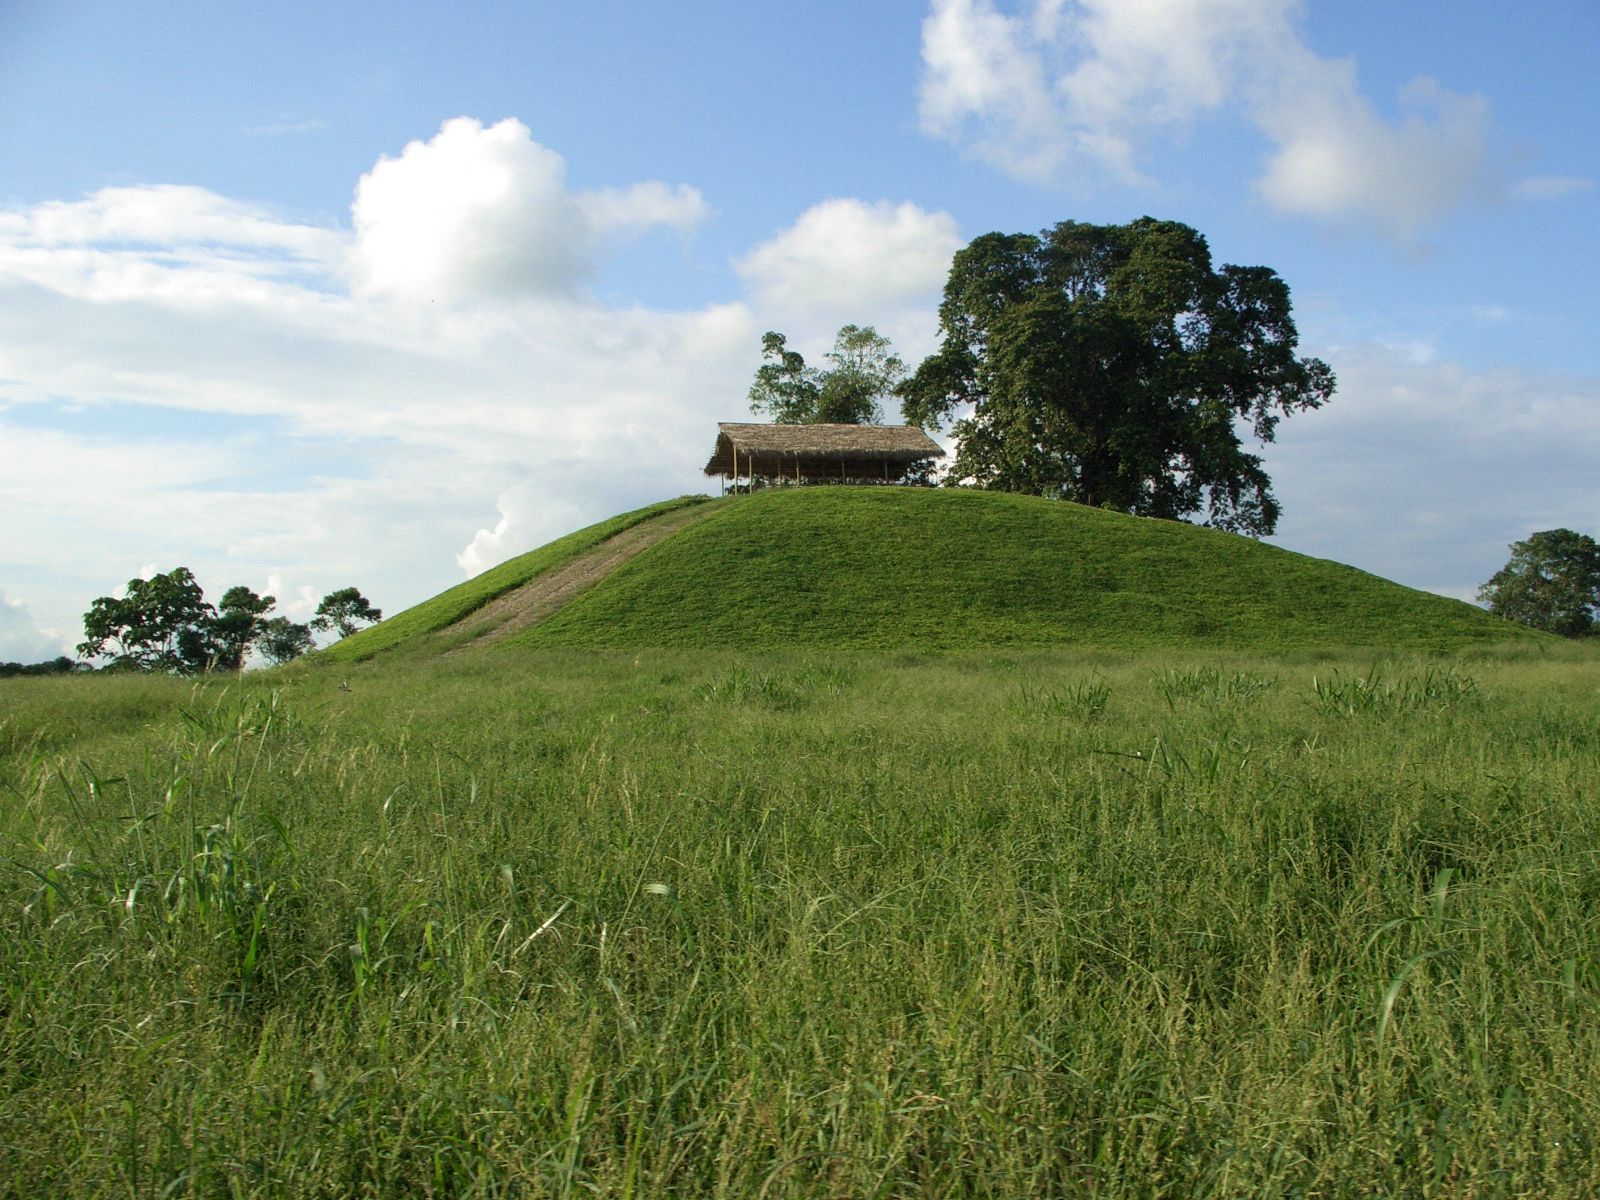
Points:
point(819, 453)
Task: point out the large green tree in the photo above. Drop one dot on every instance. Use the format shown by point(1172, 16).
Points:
point(160, 624)
point(1115, 366)
point(862, 370)
point(1552, 582)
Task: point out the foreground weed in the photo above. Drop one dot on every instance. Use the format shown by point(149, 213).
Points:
point(783, 691)
point(1085, 699)
point(192, 865)
point(1204, 765)
point(1354, 695)
point(944, 938)
point(1210, 684)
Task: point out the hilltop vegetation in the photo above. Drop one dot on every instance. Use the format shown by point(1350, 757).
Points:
point(674, 923)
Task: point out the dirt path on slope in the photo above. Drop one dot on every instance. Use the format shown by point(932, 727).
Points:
point(541, 596)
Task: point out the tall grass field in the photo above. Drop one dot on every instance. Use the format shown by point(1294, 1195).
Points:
point(578, 922)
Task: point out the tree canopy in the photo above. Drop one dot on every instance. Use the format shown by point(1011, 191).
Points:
point(282, 640)
point(1552, 582)
point(1113, 365)
point(345, 610)
point(160, 624)
point(236, 627)
point(863, 369)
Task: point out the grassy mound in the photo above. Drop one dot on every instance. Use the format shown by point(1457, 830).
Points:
point(449, 607)
point(895, 567)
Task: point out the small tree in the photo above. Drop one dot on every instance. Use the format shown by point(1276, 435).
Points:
point(345, 611)
point(863, 369)
point(785, 388)
point(237, 627)
point(281, 640)
point(1552, 583)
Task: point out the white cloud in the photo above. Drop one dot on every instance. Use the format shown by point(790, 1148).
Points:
point(298, 603)
point(1336, 159)
point(986, 84)
point(528, 517)
point(208, 385)
point(473, 212)
point(163, 216)
point(1082, 84)
point(851, 257)
point(485, 214)
point(847, 261)
point(644, 205)
point(287, 127)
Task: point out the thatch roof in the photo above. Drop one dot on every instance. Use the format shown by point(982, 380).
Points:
point(820, 451)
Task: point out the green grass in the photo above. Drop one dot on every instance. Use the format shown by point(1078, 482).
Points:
point(946, 569)
point(465, 598)
point(1018, 922)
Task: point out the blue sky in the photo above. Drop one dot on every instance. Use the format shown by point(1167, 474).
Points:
point(305, 295)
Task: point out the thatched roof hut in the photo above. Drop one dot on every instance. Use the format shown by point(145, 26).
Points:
point(820, 453)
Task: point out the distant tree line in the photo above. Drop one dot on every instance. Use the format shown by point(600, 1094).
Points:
point(165, 624)
point(55, 666)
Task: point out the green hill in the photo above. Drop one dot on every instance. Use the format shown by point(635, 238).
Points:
point(946, 568)
point(461, 601)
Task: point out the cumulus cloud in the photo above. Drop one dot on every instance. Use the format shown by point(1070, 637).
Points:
point(471, 212)
point(848, 256)
point(851, 262)
point(1337, 159)
point(1082, 84)
point(525, 512)
point(986, 84)
point(484, 213)
point(193, 380)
